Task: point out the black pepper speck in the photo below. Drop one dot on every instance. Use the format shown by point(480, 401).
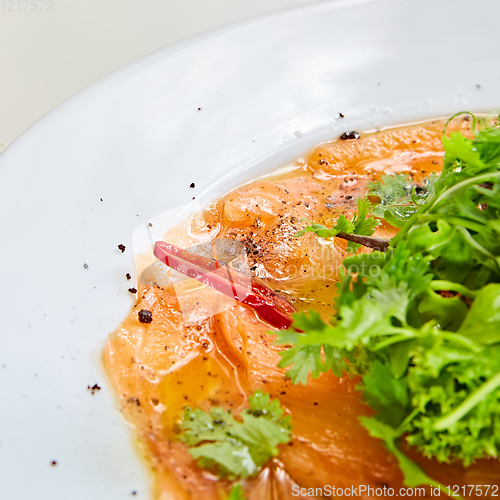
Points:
point(145, 316)
point(93, 389)
point(349, 135)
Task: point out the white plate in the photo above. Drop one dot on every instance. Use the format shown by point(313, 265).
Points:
point(268, 89)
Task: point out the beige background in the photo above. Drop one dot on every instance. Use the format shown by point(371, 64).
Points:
point(51, 49)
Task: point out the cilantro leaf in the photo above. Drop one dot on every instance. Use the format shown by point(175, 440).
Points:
point(261, 405)
point(228, 458)
point(310, 359)
point(234, 448)
point(360, 224)
point(465, 158)
point(460, 151)
point(398, 198)
point(387, 395)
point(321, 231)
point(304, 360)
point(363, 225)
point(487, 144)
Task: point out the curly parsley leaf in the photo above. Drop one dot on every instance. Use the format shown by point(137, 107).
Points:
point(236, 448)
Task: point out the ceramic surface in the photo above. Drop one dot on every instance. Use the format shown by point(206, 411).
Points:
point(216, 110)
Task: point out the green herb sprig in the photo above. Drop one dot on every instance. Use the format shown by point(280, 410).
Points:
point(354, 230)
point(421, 321)
point(236, 449)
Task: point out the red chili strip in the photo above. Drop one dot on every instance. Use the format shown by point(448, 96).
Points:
point(268, 305)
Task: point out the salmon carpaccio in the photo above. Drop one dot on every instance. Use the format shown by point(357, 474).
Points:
point(158, 369)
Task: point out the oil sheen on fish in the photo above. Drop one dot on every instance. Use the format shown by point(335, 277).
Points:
point(159, 368)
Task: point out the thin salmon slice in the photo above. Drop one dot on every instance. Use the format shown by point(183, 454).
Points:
point(158, 369)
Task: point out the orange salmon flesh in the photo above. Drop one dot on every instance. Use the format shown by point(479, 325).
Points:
point(158, 369)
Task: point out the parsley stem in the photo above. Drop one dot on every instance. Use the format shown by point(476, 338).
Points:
point(431, 205)
point(461, 341)
point(459, 221)
point(450, 286)
point(478, 179)
point(405, 464)
point(367, 241)
point(406, 334)
point(406, 422)
point(467, 404)
point(474, 244)
point(472, 115)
